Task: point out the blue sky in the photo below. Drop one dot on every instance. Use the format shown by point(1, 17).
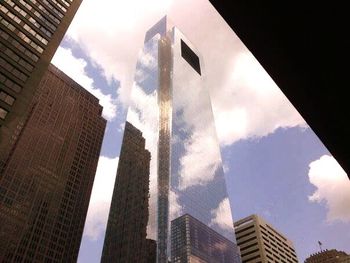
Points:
point(275, 165)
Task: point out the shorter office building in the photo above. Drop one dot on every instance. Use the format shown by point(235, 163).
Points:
point(46, 182)
point(329, 256)
point(193, 241)
point(126, 234)
point(259, 242)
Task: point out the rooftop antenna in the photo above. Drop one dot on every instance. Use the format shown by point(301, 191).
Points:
point(320, 245)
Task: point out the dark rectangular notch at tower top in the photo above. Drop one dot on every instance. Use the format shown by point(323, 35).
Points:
point(190, 57)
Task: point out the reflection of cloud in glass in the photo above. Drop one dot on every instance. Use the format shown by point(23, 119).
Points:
point(201, 160)
point(222, 215)
point(221, 246)
point(175, 209)
point(144, 115)
point(147, 62)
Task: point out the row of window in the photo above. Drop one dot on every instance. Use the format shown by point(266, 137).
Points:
point(5, 97)
point(20, 75)
point(248, 246)
point(276, 237)
point(247, 234)
point(42, 8)
point(239, 243)
point(30, 18)
point(273, 256)
point(250, 252)
point(21, 35)
point(60, 6)
point(20, 47)
point(48, 4)
point(37, 14)
point(278, 234)
point(243, 229)
point(3, 113)
point(16, 58)
point(66, 2)
point(25, 26)
point(275, 241)
point(277, 254)
point(35, 34)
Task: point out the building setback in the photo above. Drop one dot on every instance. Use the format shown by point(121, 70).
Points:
point(260, 242)
point(30, 32)
point(194, 241)
point(46, 183)
point(329, 256)
point(125, 239)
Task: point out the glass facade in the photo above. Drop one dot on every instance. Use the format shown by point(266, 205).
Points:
point(171, 107)
point(193, 241)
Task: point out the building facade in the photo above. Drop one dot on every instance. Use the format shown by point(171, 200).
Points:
point(125, 239)
point(171, 107)
point(193, 241)
point(328, 256)
point(46, 184)
point(30, 32)
point(260, 242)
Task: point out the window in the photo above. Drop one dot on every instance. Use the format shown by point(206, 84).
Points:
point(3, 113)
point(6, 98)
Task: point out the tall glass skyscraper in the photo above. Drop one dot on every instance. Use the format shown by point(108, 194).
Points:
point(171, 109)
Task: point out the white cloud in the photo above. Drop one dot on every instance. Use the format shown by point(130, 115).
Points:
point(113, 38)
point(75, 69)
point(246, 102)
point(333, 188)
point(222, 215)
point(252, 105)
point(97, 216)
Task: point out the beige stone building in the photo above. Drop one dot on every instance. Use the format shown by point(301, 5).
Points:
point(259, 242)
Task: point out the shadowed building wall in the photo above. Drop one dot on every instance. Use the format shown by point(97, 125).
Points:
point(30, 32)
point(125, 239)
point(46, 184)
